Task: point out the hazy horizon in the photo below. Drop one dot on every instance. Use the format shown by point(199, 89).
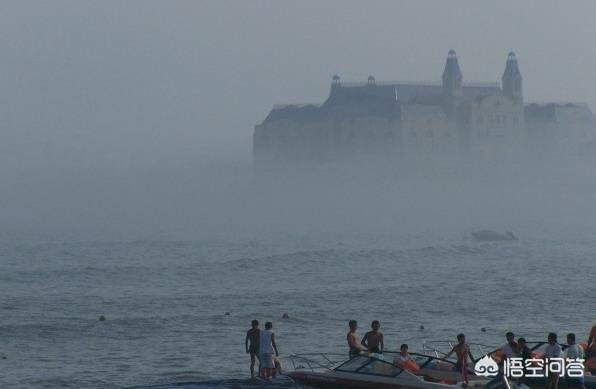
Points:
point(128, 119)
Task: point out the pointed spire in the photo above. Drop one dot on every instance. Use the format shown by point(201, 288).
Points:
point(511, 67)
point(512, 78)
point(452, 76)
point(452, 66)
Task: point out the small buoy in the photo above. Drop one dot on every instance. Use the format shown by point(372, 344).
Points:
point(285, 316)
point(102, 318)
point(421, 327)
point(227, 313)
point(483, 329)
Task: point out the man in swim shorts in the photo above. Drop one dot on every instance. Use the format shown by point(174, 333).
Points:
point(353, 347)
point(252, 337)
point(373, 340)
point(462, 351)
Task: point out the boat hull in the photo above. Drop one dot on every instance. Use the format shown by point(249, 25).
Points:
point(334, 381)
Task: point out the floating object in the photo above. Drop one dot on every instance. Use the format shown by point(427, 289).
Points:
point(4, 357)
point(421, 327)
point(227, 313)
point(493, 236)
point(483, 329)
point(102, 318)
point(285, 316)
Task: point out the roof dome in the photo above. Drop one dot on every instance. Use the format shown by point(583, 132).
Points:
point(335, 81)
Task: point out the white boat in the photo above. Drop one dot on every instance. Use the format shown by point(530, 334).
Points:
point(372, 371)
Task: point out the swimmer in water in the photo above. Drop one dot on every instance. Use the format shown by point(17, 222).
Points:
point(373, 340)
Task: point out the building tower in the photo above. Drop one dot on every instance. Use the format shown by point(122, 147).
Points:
point(512, 79)
point(335, 81)
point(452, 77)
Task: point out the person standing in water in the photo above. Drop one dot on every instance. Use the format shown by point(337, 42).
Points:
point(266, 348)
point(353, 346)
point(252, 337)
point(373, 340)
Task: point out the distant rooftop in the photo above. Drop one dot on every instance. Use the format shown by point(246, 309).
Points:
point(371, 98)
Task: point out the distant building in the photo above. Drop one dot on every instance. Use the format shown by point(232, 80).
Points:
point(388, 121)
point(568, 126)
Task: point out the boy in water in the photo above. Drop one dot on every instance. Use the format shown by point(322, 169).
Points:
point(353, 346)
point(373, 340)
point(266, 347)
point(252, 336)
point(462, 350)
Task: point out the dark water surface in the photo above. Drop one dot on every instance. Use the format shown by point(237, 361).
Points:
point(165, 303)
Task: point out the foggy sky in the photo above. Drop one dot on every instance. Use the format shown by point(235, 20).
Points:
point(95, 94)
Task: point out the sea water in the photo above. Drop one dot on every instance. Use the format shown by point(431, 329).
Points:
point(177, 311)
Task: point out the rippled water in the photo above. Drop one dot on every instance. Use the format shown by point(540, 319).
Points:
point(165, 303)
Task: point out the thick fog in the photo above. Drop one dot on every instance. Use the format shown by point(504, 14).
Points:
point(134, 120)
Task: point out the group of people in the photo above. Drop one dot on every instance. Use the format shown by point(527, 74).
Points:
point(372, 342)
point(260, 344)
point(573, 351)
